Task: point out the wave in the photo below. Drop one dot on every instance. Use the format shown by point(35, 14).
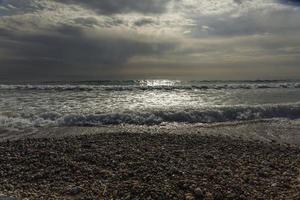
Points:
point(211, 115)
point(221, 114)
point(47, 87)
point(216, 86)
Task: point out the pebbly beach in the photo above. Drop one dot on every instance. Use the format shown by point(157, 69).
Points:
point(148, 166)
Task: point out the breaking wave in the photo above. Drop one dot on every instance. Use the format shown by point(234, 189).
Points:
point(223, 114)
point(211, 115)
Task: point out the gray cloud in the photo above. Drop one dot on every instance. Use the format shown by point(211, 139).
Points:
point(12, 7)
point(260, 21)
point(124, 6)
point(291, 2)
point(47, 39)
point(92, 22)
point(144, 22)
point(238, 1)
point(89, 21)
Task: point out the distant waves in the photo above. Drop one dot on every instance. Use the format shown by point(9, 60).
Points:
point(216, 86)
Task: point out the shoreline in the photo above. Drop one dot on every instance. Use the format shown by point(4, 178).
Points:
point(142, 165)
point(276, 130)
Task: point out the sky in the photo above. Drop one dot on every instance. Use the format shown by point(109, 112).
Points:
point(134, 39)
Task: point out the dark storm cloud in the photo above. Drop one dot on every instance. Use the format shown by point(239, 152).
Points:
point(68, 50)
point(124, 6)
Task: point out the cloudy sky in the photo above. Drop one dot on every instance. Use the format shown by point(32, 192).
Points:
point(128, 39)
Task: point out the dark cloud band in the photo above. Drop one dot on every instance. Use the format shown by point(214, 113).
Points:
point(124, 6)
point(68, 49)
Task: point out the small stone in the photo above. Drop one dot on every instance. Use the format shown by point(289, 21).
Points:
point(274, 185)
point(218, 196)
point(262, 173)
point(209, 195)
point(86, 146)
point(189, 196)
point(106, 173)
point(74, 191)
point(9, 187)
point(198, 193)
point(208, 156)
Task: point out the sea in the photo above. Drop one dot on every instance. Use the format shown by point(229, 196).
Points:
point(137, 105)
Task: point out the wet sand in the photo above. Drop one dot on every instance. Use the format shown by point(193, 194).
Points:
point(148, 166)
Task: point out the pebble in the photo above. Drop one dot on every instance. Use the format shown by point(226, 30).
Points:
point(189, 196)
point(74, 190)
point(141, 166)
point(198, 193)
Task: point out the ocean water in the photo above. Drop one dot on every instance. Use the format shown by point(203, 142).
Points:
point(146, 102)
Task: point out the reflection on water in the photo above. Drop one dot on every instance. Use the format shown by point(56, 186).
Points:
point(154, 83)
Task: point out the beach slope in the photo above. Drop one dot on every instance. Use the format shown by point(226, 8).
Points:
point(148, 166)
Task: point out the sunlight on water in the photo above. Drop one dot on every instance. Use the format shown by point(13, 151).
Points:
point(154, 83)
point(153, 99)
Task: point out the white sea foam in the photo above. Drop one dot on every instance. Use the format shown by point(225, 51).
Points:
point(217, 114)
point(209, 115)
point(19, 122)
